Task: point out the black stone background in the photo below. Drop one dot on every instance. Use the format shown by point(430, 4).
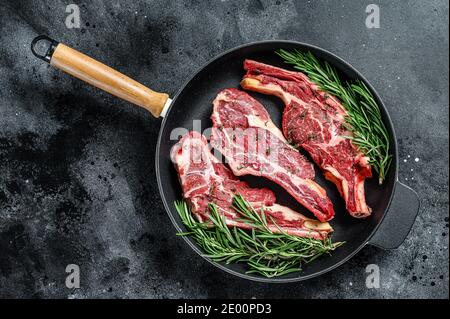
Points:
point(77, 179)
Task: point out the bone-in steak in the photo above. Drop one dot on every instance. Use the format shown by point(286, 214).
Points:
point(314, 120)
point(244, 133)
point(205, 180)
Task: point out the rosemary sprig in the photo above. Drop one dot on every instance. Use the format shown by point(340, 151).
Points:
point(364, 116)
point(266, 253)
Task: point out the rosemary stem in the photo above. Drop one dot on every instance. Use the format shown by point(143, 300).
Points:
point(264, 252)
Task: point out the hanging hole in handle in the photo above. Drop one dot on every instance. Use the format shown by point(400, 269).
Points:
point(46, 44)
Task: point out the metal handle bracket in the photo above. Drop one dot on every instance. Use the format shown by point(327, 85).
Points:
point(52, 44)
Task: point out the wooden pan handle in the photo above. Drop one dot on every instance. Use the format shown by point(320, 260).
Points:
point(102, 76)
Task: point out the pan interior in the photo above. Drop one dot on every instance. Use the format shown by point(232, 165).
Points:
point(194, 102)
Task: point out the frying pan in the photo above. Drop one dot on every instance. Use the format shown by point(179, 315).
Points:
point(395, 205)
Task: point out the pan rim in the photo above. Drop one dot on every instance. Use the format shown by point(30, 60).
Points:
point(300, 277)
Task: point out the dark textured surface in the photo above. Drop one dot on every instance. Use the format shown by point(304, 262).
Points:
point(77, 179)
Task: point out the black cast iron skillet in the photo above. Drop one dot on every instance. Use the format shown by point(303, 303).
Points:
point(394, 204)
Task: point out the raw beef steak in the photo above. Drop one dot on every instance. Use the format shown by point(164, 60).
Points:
point(205, 180)
point(244, 133)
point(315, 121)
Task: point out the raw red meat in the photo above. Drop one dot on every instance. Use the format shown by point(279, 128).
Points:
point(314, 120)
point(244, 133)
point(205, 180)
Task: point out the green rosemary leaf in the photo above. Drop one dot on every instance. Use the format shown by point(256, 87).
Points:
point(264, 252)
